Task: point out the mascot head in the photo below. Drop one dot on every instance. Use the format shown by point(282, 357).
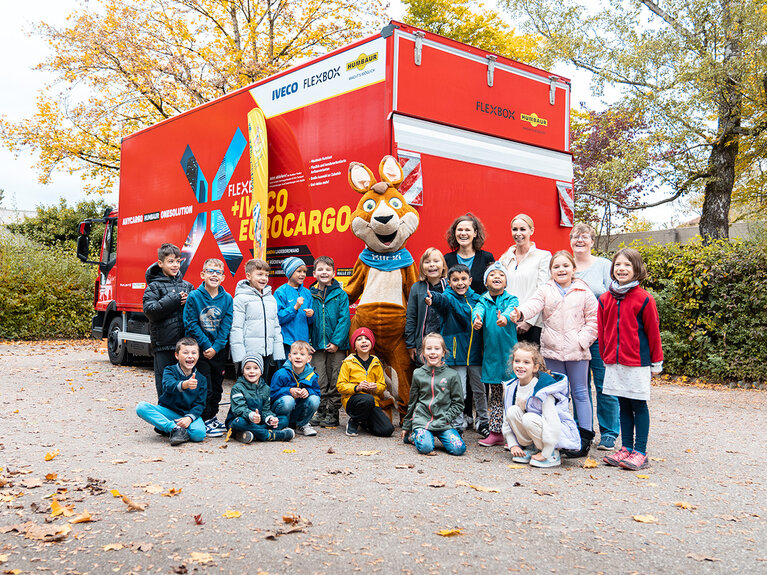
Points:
point(383, 219)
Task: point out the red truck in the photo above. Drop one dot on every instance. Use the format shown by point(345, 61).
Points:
point(474, 132)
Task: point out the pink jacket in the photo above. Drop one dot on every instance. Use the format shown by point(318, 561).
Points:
point(569, 322)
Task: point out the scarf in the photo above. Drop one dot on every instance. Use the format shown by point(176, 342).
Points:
point(619, 291)
point(386, 262)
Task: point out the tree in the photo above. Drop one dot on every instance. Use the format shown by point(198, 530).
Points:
point(471, 23)
point(698, 70)
point(122, 65)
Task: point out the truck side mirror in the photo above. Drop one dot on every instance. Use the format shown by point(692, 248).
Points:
point(83, 244)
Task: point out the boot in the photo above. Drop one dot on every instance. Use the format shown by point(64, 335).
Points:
point(587, 436)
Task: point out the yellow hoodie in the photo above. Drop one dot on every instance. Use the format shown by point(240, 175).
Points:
point(352, 373)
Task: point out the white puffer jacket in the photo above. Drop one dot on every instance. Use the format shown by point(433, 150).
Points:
point(255, 326)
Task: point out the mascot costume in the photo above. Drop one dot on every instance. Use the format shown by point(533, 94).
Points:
point(385, 271)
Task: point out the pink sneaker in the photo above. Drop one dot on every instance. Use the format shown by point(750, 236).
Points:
point(615, 459)
point(492, 439)
point(635, 461)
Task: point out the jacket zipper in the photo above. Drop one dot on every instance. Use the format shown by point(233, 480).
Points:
point(266, 341)
point(618, 334)
point(471, 331)
point(432, 400)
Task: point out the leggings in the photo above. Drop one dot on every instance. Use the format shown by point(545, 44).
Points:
point(635, 415)
point(495, 407)
point(577, 372)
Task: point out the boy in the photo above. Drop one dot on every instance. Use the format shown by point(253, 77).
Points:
point(164, 299)
point(184, 391)
point(330, 338)
point(362, 386)
point(255, 327)
point(294, 303)
point(295, 392)
point(250, 414)
point(456, 305)
point(208, 319)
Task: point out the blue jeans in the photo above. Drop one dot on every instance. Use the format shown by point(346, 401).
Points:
point(261, 431)
point(423, 439)
point(635, 416)
point(607, 405)
point(164, 419)
point(297, 411)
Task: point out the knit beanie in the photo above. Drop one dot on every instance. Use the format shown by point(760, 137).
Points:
point(363, 331)
point(255, 358)
point(496, 265)
point(291, 264)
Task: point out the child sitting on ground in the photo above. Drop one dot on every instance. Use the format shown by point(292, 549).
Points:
point(184, 392)
point(295, 391)
point(250, 415)
point(537, 421)
point(436, 400)
point(294, 303)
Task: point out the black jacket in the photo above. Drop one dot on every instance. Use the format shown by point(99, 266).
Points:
point(162, 306)
point(482, 259)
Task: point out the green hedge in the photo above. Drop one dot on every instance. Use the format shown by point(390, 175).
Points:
point(46, 291)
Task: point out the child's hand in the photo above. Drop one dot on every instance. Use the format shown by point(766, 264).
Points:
point(309, 312)
point(299, 303)
point(501, 321)
point(295, 392)
point(190, 383)
point(272, 421)
point(402, 434)
point(255, 417)
point(477, 323)
point(516, 451)
point(184, 422)
point(331, 348)
point(183, 296)
point(428, 298)
point(209, 353)
point(515, 315)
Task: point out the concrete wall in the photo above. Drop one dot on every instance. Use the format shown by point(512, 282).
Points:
point(676, 235)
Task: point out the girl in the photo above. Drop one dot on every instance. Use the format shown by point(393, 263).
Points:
point(420, 319)
point(537, 421)
point(436, 399)
point(629, 341)
point(569, 311)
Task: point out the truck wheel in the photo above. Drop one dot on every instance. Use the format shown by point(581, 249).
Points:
point(117, 350)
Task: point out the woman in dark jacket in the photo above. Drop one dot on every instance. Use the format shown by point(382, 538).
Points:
point(466, 236)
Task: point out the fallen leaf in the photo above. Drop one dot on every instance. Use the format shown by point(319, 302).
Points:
point(593, 476)
point(228, 435)
point(154, 489)
point(543, 493)
point(449, 532)
point(152, 460)
point(172, 492)
point(31, 482)
point(641, 476)
point(145, 547)
point(201, 558)
point(47, 533)
point(404, 466)
point(701, 557)
point(436, 484)
point(113, 547)
point(368, 453)
point(59, 509)
point(331, 450)
point(3, 558)
point(51, 476)
point(590, 463)
point(462, 483)
point(84, 517)
point(115, 493)
point(643, 518)
point(118, 461)
point(684, 505)
point(516, 466)
point(51, 454)
point(224, 446)
point(132, 505)
point(296, 524)
point(288, 450)
point(198, 519)
point(292, 519)
point(229, 514)
point(657, 459)
point(180, 569)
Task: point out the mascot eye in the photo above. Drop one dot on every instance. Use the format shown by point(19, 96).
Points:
point(369, 205)
point(395, 203)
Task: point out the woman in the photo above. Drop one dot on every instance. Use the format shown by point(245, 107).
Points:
point(596, 273)
point(528, 269)
point(466, 236)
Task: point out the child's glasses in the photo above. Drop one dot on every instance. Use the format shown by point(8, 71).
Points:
point(213, 272)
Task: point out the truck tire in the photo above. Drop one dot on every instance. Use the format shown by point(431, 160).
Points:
point(117, 350)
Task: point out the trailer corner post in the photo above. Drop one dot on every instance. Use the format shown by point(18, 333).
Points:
point(419, 36)
point(491, 58)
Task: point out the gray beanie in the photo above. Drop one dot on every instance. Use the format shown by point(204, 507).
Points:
point(255, 358)
point(497, 265)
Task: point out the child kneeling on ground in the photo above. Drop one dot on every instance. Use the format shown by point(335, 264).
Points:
point(537, 421)
point(250, 414)
point(183, 397)
point(436, 401)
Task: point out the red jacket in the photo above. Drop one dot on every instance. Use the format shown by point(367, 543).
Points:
point(628, 329)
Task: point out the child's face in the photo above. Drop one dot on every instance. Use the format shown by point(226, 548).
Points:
point(258, 279)
point(298, 276)
point(212, 275)
point(299, 357)
point(433, 352)
point(170, 265)
point(251, 372)
point(524, 366)
point(323, 273)
point(432, 268)
point(363, 345)
point(562, 271)
point(460, 282)
point(187, 356)
point(623, 270)
point(496, 282)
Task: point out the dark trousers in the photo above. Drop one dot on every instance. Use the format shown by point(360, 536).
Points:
point(532, 335)
point(162, 359)
point(213, 370)
point(362, 408)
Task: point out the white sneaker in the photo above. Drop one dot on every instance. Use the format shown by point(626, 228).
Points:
point(307, 430)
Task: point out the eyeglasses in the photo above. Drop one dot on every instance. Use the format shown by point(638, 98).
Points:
point(213, 272)
point(582, 237)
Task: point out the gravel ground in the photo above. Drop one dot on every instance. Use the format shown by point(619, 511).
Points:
point(333, 504)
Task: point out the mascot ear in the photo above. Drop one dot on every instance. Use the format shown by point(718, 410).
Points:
point(361, 179)
point(391, 171)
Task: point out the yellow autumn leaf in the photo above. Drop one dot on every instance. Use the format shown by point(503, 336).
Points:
point(115, 493)
point(449, 532)
point(516, 466)
point(118, 461)
point(590, 463)
point(684, 505)
point(288, 450)
point(3, 558)
point(51, 454)
point(113, 547)
point(172, 492)
point(201, 558)
point(59, 509)
point(84, 517)
point(643, 518)
point(641, 476)
point(229, 514)
point(463, 483)
point(368, 453)
point(228, 435)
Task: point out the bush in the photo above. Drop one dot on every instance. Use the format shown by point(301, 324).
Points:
point(46, 291)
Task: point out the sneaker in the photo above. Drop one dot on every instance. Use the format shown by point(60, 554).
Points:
point(243, 436)
point(178, 435)
point(615, 459)
point(553, 461)
point(492, 439)
point(307, 430)
point(635, 461)
point(214, 428)
point(330, 420)
point(483, 430)
point(159, 431)
point(352, 430)
point(317, 419)
point(606, 443)
point(284, 434)
point(529, 452)
point(469, 421)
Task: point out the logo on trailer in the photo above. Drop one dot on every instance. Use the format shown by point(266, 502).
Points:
point(361, 61)
point(534, 120)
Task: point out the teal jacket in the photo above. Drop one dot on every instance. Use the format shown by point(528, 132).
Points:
point(247, 397)
point(464, 345)
point(498, 340)
point(331, 316)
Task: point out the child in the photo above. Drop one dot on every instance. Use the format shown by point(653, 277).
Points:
point(493, 313)
point(184, 391)
point(164, 299)
point(250, 414)
point(627, 316)
point(294, 303)
point(537, 421)
point(362, 386)
point(330, 338)
point(295, 391)
point(436, 400)
point(569, 328)
point(464, 346)
point(208, 319)
point(420, 319)
point(255, 326)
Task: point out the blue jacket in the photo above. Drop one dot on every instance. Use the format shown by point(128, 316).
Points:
point(294, 324)
point(464, 345)
point(208, 320)
point(331, 316)
point(285, 378)
point(498, 340)
point(189, 402)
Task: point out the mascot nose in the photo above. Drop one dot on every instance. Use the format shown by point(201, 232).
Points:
point(383, 219)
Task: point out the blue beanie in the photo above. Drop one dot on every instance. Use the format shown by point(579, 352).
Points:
point(495, 266)
point(291, 264)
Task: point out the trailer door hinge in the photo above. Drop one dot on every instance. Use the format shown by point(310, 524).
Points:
point(418, 46)
point(552, 89)
point(490, 68)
